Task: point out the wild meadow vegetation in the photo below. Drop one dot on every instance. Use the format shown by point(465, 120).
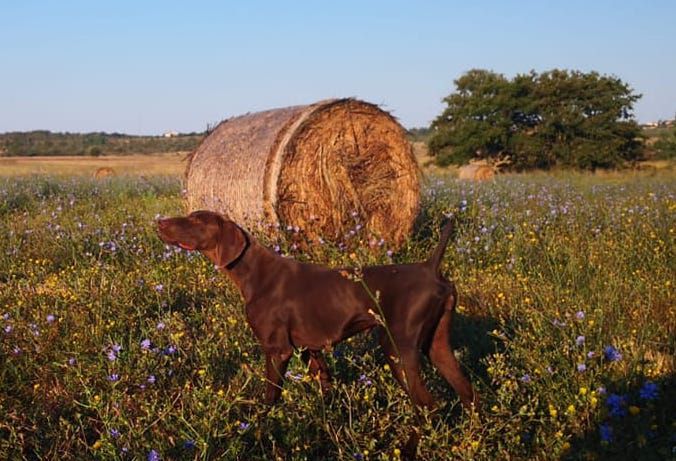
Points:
point(115, 346)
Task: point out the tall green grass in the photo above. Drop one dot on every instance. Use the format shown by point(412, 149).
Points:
point(114, 346)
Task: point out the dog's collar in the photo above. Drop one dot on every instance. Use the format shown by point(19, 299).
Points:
point(234, 262)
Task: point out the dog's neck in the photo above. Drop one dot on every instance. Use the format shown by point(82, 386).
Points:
point(254, 261)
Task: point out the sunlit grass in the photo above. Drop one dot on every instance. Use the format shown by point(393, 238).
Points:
point(113, 345)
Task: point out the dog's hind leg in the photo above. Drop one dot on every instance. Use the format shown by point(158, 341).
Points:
point(405, 365)
point(318, 368)
point(444, 360)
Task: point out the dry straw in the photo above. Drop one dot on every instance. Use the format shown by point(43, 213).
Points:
point(319, 167)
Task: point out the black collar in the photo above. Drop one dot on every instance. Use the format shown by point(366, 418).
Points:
point(234, 262)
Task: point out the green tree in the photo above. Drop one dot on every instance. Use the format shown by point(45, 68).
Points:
point(559, 117)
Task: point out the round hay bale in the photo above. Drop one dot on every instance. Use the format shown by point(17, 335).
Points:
point(476, 172)
point(103, 172)
point(320, 167)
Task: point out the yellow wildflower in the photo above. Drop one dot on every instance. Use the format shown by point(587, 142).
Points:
point(634, 410)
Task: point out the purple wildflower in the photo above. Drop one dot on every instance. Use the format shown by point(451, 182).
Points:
point(153, 456)
point(293, 376)
point(50, 318)
point(111, 355)
point(114, 377)
point(72, 361)
point(169, 350)
point(159, 288)
point(365, 380)
point(591, 354)
point(160, 325)
point(579, 341)
point(152, 379)
point(526, 378)
point(243, 426)
point(8, 329)
point(145, 344)
point(606, 432)
point(116, 347)
point(579, 315)
point(114, 433)
point(581, 367)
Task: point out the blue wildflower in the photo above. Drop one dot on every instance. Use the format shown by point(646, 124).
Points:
point(189, 444)
point(243, 426)
point(616, 405)
point(611, 354)
point(525, 378)
point(649, 391)
point(169, 350)
point(114, 377)
point(153, 456)
point(606, 432)
point(114, 433)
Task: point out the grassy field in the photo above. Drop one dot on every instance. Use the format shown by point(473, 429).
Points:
point(114, 346)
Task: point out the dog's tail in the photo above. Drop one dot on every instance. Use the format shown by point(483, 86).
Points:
point(434, 260)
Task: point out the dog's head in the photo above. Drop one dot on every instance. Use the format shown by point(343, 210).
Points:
point(220, 239)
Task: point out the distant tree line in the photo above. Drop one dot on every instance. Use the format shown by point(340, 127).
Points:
point(46, 143)
point(665, 143)
point(538, 120)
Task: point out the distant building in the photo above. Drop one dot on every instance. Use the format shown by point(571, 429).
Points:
point(170, 134)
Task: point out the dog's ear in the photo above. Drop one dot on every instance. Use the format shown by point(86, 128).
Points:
point(232, 243)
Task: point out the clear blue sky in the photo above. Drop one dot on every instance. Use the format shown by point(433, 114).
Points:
point(145, 67)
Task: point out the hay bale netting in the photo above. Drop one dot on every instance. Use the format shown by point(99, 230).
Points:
point(310, 166)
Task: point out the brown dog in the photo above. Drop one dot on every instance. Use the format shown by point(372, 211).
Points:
point(290, 304)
